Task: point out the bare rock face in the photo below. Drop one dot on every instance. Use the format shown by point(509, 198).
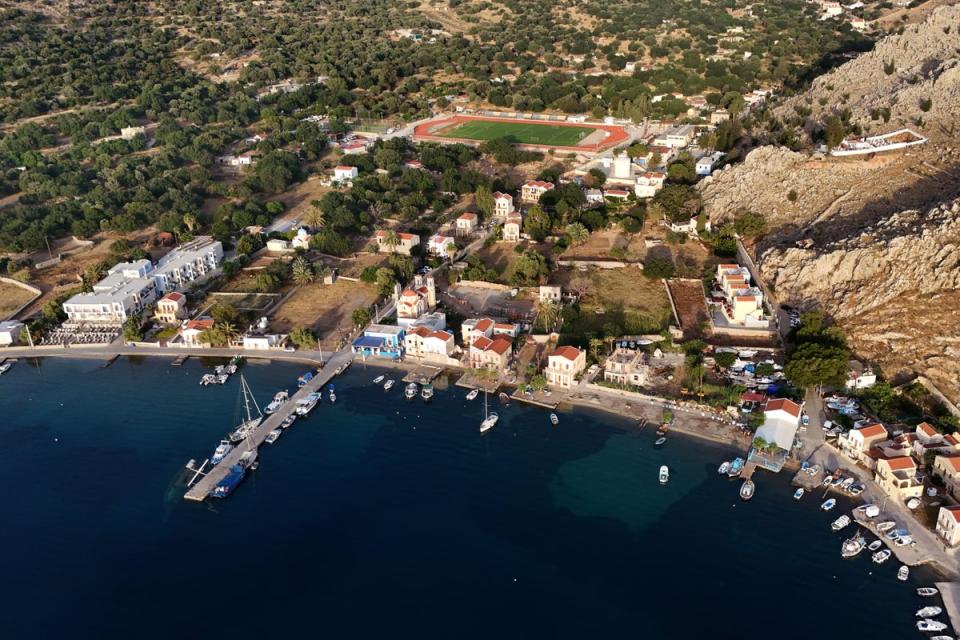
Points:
point(911, 252)
point(901, 74)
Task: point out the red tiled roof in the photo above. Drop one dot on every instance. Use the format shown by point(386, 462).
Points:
point(442, 335)
point(483, 324)
point(408, 293)
point(873, 430)
point(953, 511)
point(901, 463)
point(482, 343)
point(782, 404)
point(176, 297)
point(540, 184)
point(423, 332)
point(570, 353)
point(467, 216)
point(746, 298)
point(343, 167)
point(952, 462)
point(499, 345)
point(926, 429)
point(497, 195)
point(503, 325)
point(952, 439)
point(201, 325)
point(752, 396)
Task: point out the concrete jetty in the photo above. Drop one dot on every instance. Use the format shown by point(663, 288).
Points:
point(950, 592)
point(202, 488)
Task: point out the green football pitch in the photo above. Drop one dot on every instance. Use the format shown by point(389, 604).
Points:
point(522, 132)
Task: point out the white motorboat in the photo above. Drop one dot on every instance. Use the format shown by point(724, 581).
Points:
point(930, 625)
point(747, 490)
point(827, 481)
point(660, 441)
point(881, 556)
point(388, 385)
point(929, 612)
point(875, 545)
point(798, 493)
point(941, 637)
point(278, 400)
point(829, 504)
point(724, 467)
point(306, 405)
point(852, 546)
point(489, 419)
point(288, 421)
point(903, 573)
point(378, 379)
point(664, 474)
point(840, 523)
point(886, 526)
point(926, 592)
point(411, 391)
point(5, 367)
point(221, 452)
point(473, 394)
point(554, 420)
point(427, 392)
point(273, 436)
point(847, 483)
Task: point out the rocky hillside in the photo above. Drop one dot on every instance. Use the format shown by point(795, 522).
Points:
point(894, 287)
point(871, 240)
point(902, 73)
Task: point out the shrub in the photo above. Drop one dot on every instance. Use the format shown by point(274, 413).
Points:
point(792, 195)
point(658, 268)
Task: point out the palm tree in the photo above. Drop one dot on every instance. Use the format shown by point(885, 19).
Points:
point(315, 218)
point(549, 314)
point(452, 251)
point(302, 271)
point(578, 233)
point(190, 221)
point(391, 239)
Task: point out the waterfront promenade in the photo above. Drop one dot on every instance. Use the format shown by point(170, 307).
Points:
point(202, 488)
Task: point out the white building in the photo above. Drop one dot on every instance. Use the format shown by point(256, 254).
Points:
point(860, 377)
point(564, 365)
point(127, 290)
point(188, 263)
point(129, 133)
point(649, 183)
point(302, 239)
point(467, 223)
point(10, 332)
point(344, 173)
point(502, 205)
point(677, 137)
point(622, 167)
point(948, 524)
point(437, 244)
point(512, 227)
point(266, 341)
point(706, 164)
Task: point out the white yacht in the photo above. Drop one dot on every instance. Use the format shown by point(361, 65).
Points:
point(221, 452)
point(881, 556)
point(930, 625)
point(724, 467)
point(489, 419)
point(410, 392)
point(929, 612)
point(664, 474)
point(554, 419)
point(926, 592)
point(5, 367)
point(903, 573)
point(798, 493)
point(273, 436)
point(388, 385)
point(840, 523)
point(747, 490)
point(473, 394)
point(378, 379)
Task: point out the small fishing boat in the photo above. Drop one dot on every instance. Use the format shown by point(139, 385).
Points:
point(886, 526)
point(273, 436)
point(735, 467)
point(724, 467)
point(554, 420)
point(827, 481)
point(852, 546)
point(288, 421)
point(903, 573)
point(221, 452)
point(388, 385)
point(929, 612)
point(875, 545)
point(660, 442)
point(930, 625)
point(473, 394)
point(746, 490)
point(378, 379)
point(926, 592)
point(306, 405)
point(230, 482)
point(840, 523)
point(427, 392)
point(829, 504)
point(798, 493)
point(410, 392)
point(847, 483)
point(837, 481)
point(277, 402)
point(664, 474)
point(305, 378)
point(504, 398)
point(5, 367)
point(881, 556)
point(332, 392)
point(941, 637)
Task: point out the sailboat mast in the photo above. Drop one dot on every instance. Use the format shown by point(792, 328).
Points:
point(246, 396)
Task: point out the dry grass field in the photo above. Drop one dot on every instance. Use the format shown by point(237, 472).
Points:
point(11, 297)
point(326, 309)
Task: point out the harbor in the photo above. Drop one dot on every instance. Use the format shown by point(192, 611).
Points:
point(209, 478)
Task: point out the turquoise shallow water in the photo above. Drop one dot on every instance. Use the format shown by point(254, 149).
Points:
point(377, 516)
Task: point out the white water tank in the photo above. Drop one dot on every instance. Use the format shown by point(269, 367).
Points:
point(262, 324)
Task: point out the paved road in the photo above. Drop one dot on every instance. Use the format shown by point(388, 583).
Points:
point(120, 349)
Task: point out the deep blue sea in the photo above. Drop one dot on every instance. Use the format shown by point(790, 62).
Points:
point(378, 517)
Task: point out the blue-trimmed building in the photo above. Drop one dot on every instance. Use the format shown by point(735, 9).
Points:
point(382, 341)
